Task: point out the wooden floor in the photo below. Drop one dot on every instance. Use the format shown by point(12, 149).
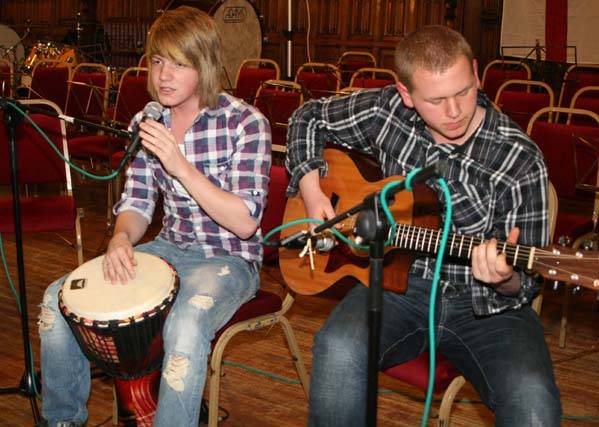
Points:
point(260, 387)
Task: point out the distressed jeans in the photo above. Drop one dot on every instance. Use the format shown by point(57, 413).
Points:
point(211, 290)
point(504, 356)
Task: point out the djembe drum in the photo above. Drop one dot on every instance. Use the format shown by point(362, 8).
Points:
point(119, 328)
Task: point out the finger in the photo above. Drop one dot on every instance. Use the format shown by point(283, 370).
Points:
point(513, 235)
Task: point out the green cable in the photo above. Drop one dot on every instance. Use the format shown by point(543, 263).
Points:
point(436, 276)
point(74, 166)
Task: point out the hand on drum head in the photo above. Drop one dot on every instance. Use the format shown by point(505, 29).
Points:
point(119, 263)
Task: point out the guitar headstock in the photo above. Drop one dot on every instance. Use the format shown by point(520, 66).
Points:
point(574, 266)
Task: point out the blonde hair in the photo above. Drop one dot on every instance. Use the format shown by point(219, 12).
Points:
point(189, 36)
point(433, 48)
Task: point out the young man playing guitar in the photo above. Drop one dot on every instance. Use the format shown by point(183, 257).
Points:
point(498, 185)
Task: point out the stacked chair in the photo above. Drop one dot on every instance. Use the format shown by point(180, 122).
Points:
point(373, 78)
point(520, 105)
point(499, 71)
point(318, 79)
point(351, 61)
point(251, 74)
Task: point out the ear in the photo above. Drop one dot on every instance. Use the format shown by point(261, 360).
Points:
point(405, 94)
point(475, 71)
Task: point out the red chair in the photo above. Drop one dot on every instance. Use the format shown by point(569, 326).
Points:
point(6, 78)
point(131, 98)
point(351, 61)
point(251, 74)
point(586, 98)
point(575, 78)
point(521, 105)
point(49, 80)
point(447, 379)
point(277, 100)
point(557, 141)
point(373, 78)
point(264, 310)
point(318, 79)
point(38, 164)
point(501, 70)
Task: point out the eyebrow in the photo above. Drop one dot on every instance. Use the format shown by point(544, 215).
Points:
point(457, 93)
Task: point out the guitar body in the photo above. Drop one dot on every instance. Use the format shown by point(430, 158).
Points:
point(348, 181)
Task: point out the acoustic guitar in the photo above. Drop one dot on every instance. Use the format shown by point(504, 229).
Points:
point(417, 234)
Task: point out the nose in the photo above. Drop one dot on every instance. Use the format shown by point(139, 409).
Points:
point(165, 72)
point(453, 109)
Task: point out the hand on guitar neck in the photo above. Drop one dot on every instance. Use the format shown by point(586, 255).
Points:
point(417, 233)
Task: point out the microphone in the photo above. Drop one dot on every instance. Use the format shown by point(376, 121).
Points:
point(152, 110)
point(322, 242)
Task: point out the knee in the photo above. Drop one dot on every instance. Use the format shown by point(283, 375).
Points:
point(339, 349)
point(532, 396)
point(49, 311)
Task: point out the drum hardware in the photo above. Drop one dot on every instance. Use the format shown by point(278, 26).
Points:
point(29, 383)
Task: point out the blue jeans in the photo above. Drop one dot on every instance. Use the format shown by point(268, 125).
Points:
point(224, 283)
point(504, 356)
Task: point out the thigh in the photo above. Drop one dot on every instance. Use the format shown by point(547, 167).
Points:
point(501, 354)
point(403, 333)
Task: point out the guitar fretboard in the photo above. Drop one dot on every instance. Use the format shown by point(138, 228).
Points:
point(427, 240)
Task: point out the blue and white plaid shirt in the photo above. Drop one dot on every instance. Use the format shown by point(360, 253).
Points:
point(230, 145)
point(497, 178)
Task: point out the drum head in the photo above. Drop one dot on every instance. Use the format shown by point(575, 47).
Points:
point(86, 294)
point(8, 39)
point(241, 35)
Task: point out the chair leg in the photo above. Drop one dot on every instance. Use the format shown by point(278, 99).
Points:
point(564, 320)
point(296, 355)
point(78, 244)
point(448, 398)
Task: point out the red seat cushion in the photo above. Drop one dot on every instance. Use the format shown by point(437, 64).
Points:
point(263, 303)
point(415, 372)
point(96, 146)
point(39, 214)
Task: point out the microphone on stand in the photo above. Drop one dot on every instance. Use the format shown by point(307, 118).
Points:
point(152, 110)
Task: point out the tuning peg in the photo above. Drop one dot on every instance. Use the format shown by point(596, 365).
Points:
point(564, 240)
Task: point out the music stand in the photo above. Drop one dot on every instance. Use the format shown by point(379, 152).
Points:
point(29, 383)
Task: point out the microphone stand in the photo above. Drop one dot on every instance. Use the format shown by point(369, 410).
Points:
point(29, 383)
point(372, 227)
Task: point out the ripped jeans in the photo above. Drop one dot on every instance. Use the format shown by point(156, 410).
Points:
point(224, 283)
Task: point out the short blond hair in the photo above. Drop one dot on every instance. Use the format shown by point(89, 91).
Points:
point(189, 36)
point(433, 48)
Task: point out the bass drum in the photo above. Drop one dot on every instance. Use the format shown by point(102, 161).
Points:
point(240, 28)
point(10, 45)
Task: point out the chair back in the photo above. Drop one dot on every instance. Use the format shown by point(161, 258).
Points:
point(318, 79)
point(49, 80)
point(132, 95)
point(521, 105)
point(87, 97)
point(6, 78)
point(251, 74)
point(351, 61)
point(577, 77)
point(500, 70)
point(277, 100)
point(38, 163)
point(556, 141)
point(373, 78)
point(586, 98)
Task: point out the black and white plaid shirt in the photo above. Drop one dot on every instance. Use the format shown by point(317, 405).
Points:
point(497, 178)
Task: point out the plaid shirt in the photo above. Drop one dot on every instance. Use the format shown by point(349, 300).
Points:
point(231, 146)
point(497, 178)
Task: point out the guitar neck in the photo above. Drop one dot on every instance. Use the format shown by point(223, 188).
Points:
point(427, 240)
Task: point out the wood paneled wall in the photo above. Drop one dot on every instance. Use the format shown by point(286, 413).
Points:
point(333, 26)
